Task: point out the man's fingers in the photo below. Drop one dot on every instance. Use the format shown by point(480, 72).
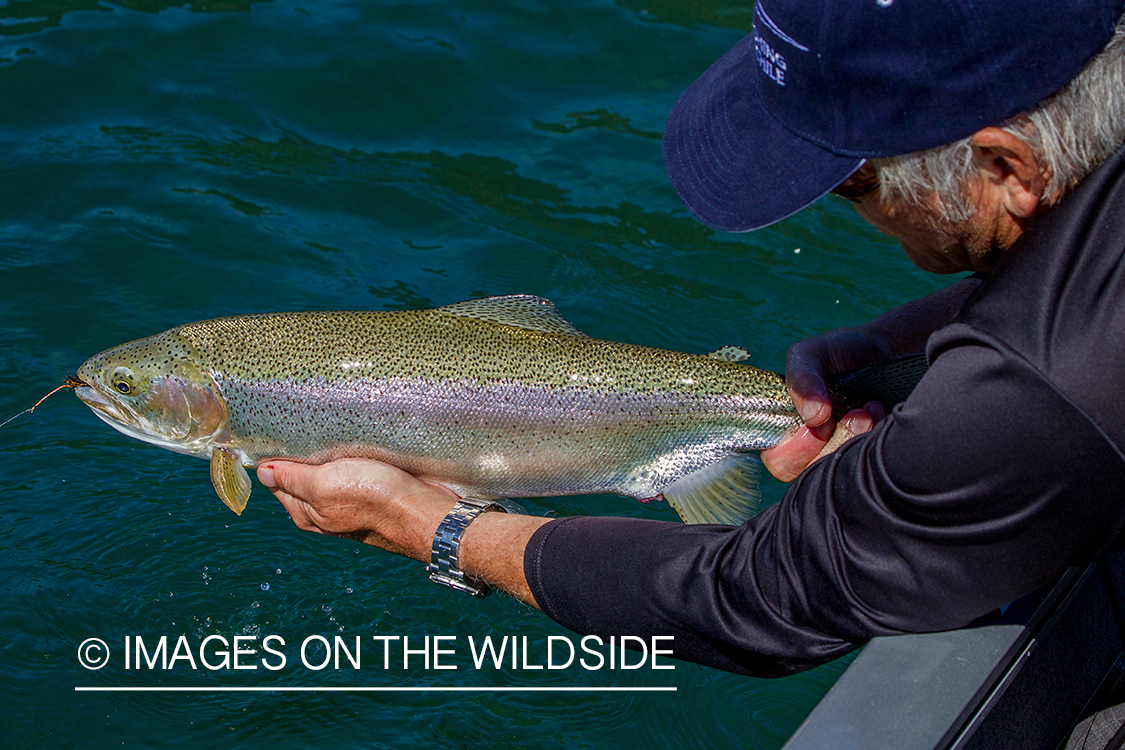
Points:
point(297, 487)
point(338, 480)
point(808, 390)
point(814, 409)
point(298, 510)
point(857, 422)
point(360, 499)
point(787, 460)
point(877, 411)
point(281, 475)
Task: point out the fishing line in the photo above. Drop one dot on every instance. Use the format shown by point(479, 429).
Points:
point(68, 383)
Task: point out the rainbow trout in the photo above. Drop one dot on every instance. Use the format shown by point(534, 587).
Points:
point(494, 398)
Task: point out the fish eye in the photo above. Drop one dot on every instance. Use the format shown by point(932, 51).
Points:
point(122, 380)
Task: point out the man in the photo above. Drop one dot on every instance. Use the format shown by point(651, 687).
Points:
point(984, 138)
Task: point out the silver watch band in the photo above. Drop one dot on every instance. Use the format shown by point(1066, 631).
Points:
point(444, 565)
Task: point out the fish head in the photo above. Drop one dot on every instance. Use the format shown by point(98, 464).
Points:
point(154, 390)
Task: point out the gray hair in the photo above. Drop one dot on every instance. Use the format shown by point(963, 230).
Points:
point(1070, 132)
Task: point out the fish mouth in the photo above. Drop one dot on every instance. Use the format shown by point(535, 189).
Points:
point(90, 397)
point(107, 410)
point(103, 407)
point(122, 419)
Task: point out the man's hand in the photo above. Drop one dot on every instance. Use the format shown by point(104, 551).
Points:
point(810, 363)
point(367, 501)
point(385, 507)
point(807, 368)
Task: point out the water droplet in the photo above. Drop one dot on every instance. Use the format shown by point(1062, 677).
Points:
point(255, 605)
point(326, 608)
point(347, 589)
point(279, 571)
point(265, 587)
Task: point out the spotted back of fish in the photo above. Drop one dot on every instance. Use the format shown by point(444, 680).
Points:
point(490, 407)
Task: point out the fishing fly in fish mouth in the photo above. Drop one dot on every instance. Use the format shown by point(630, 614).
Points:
point(494, 398)
point(70, 382)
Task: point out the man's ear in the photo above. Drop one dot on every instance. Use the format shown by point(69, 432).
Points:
point(1009, 167)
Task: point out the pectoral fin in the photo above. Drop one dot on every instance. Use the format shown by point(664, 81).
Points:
point(724, 492)
point(230, 479)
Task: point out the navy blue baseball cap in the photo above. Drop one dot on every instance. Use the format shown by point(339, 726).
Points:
point(822, 85)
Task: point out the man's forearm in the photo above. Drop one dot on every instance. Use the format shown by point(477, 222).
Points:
point(493, 547)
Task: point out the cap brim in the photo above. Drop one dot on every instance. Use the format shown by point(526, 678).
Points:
point(733, 165)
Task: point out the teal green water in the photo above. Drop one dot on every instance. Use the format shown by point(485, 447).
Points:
point(163, 164)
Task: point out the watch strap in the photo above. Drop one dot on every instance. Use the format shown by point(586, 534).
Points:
point(444, 567)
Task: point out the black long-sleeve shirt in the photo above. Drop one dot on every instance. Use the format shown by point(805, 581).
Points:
point(1005, 466)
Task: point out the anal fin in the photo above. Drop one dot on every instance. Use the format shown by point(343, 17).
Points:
point(725, 492)
point(230, 479)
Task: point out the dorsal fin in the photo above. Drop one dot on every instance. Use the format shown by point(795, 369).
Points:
point(520, 310)
point(730, 354)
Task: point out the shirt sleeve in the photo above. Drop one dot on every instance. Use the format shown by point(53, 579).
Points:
point(984, 485)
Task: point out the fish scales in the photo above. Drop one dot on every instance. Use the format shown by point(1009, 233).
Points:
point(502, 426)
point(500, 397)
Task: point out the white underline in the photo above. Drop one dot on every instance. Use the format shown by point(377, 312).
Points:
point(141, 689)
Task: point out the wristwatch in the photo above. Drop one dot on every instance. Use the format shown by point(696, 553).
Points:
point(443, 567)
